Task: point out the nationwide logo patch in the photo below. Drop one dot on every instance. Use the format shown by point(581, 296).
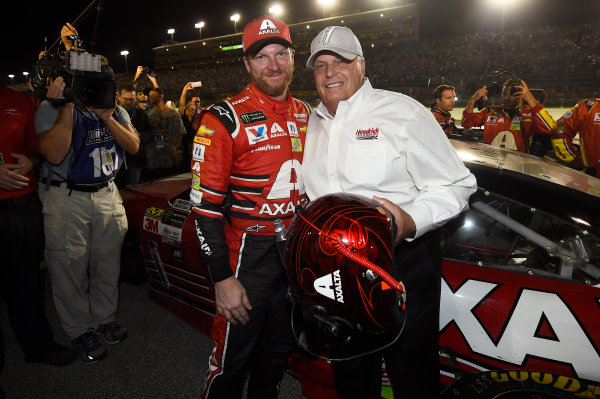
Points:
point(257, 133)
point(253, 117)
point(292, 129)
point(204, 131)
point(198, 152)
point(367, 134)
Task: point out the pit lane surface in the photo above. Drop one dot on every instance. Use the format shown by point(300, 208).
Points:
point(163, 357)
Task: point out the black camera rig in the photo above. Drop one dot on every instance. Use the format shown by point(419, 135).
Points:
point(493, 83)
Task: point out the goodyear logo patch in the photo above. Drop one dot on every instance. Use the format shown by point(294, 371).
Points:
point(201, 140)
point(204, 131)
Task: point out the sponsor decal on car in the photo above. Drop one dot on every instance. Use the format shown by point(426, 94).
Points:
point(153, 212)
point(182, 205)
point(177, 253)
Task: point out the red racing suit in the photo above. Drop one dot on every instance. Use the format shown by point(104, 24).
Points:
point(246, 173)
point(510, 131)
point(445, 120)
point(583, 118)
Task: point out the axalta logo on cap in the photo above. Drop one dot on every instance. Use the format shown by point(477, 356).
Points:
point(266, 27)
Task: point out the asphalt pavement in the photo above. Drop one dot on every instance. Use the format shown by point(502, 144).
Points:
point(163, 357)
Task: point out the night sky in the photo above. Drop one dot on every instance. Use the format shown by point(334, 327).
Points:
point(138, 26)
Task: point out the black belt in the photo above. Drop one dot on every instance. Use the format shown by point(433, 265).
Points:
point(87, 188)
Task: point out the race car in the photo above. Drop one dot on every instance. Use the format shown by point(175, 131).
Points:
point(520, 287)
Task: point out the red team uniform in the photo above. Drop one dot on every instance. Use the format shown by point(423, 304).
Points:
point(513, 131)
point(583, 118)
point(445, 120)
point(246, 168)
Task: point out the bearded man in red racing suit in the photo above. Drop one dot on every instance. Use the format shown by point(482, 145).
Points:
point(583, 118)
point(247, 156)
point(512, 124)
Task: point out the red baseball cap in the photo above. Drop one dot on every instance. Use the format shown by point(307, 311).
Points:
point(265, 30)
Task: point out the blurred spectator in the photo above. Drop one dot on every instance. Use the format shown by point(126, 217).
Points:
point(583, 118)
point(142, 100)
point(183, 103)
point(144, 71)
point(134, 163)
point(512, 124)
point(21, 235)
point(164, 152)
point(189, 115)
point(443, 102)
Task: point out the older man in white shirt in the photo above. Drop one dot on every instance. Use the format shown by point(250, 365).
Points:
point(386, 145)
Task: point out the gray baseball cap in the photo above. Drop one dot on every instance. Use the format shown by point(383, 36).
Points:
point(338, 39)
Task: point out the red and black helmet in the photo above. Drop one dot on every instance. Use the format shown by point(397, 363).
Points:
point(338, 256)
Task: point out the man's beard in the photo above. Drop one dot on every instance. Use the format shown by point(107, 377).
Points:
point(272, 91)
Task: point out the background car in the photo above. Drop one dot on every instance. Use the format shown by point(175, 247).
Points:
point(520, 302)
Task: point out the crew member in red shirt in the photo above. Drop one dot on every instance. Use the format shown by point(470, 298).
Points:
point(21, 234)
point(511, 124)
point(444, 97)
point(583, 118)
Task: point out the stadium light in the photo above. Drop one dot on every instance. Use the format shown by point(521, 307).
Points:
point(503, 5)
point(235, 18)
point(125, 53)
point(12, 81)
point(199, 26)
point(276, 10)
point(325, 4)
point(171, 32)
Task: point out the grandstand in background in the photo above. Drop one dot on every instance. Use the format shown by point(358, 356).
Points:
point(563, 60)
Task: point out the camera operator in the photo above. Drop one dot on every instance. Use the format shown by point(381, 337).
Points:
point(84, 219)
point(512, 124)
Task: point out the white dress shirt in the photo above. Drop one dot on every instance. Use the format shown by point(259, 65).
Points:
point(387, 144)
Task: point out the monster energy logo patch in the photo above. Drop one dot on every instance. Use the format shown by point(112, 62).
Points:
point(252, 117)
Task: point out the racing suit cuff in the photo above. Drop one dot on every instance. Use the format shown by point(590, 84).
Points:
point(219, 269)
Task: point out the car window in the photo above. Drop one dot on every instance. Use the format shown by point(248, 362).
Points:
point(500, 232)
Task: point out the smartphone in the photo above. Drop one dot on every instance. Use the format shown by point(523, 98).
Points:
point(196, 84)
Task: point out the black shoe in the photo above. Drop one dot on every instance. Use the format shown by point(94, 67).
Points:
point(112, 333)
point(90, 350)
point(57, 355)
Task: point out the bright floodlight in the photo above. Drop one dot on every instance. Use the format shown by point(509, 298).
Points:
point(11, 76)
point(276, 10)
point(235, 17)
point(325, 2)
point(171, 31)
point(25, 73)
point(199, 25)
point(124, 52)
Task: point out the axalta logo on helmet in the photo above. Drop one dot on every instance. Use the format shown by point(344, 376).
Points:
point(267, 26)
point(330, 285)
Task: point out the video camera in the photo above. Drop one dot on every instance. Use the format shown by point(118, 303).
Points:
point(493, 84)
point(88, 82)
